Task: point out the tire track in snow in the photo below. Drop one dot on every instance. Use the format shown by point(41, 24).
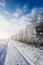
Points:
point(3, 54)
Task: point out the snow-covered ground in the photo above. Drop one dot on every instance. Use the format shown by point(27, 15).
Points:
point(17, 53)
point(32, 54)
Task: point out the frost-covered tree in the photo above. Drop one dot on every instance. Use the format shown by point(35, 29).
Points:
point(39, 27)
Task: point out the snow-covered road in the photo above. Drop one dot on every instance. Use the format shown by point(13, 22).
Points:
point(9, 55)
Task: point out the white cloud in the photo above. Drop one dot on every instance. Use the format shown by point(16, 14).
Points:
point(16, 15)
point(2, 3)
point(6, 13)
point(25, 8)
point(19, 12)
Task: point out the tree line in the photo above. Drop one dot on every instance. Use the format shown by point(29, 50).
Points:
point(33, 32)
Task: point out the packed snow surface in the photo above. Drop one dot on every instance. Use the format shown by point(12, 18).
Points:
point(13, 57)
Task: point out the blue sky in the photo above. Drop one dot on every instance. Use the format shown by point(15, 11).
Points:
point(12, 5)
point(15, 14)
